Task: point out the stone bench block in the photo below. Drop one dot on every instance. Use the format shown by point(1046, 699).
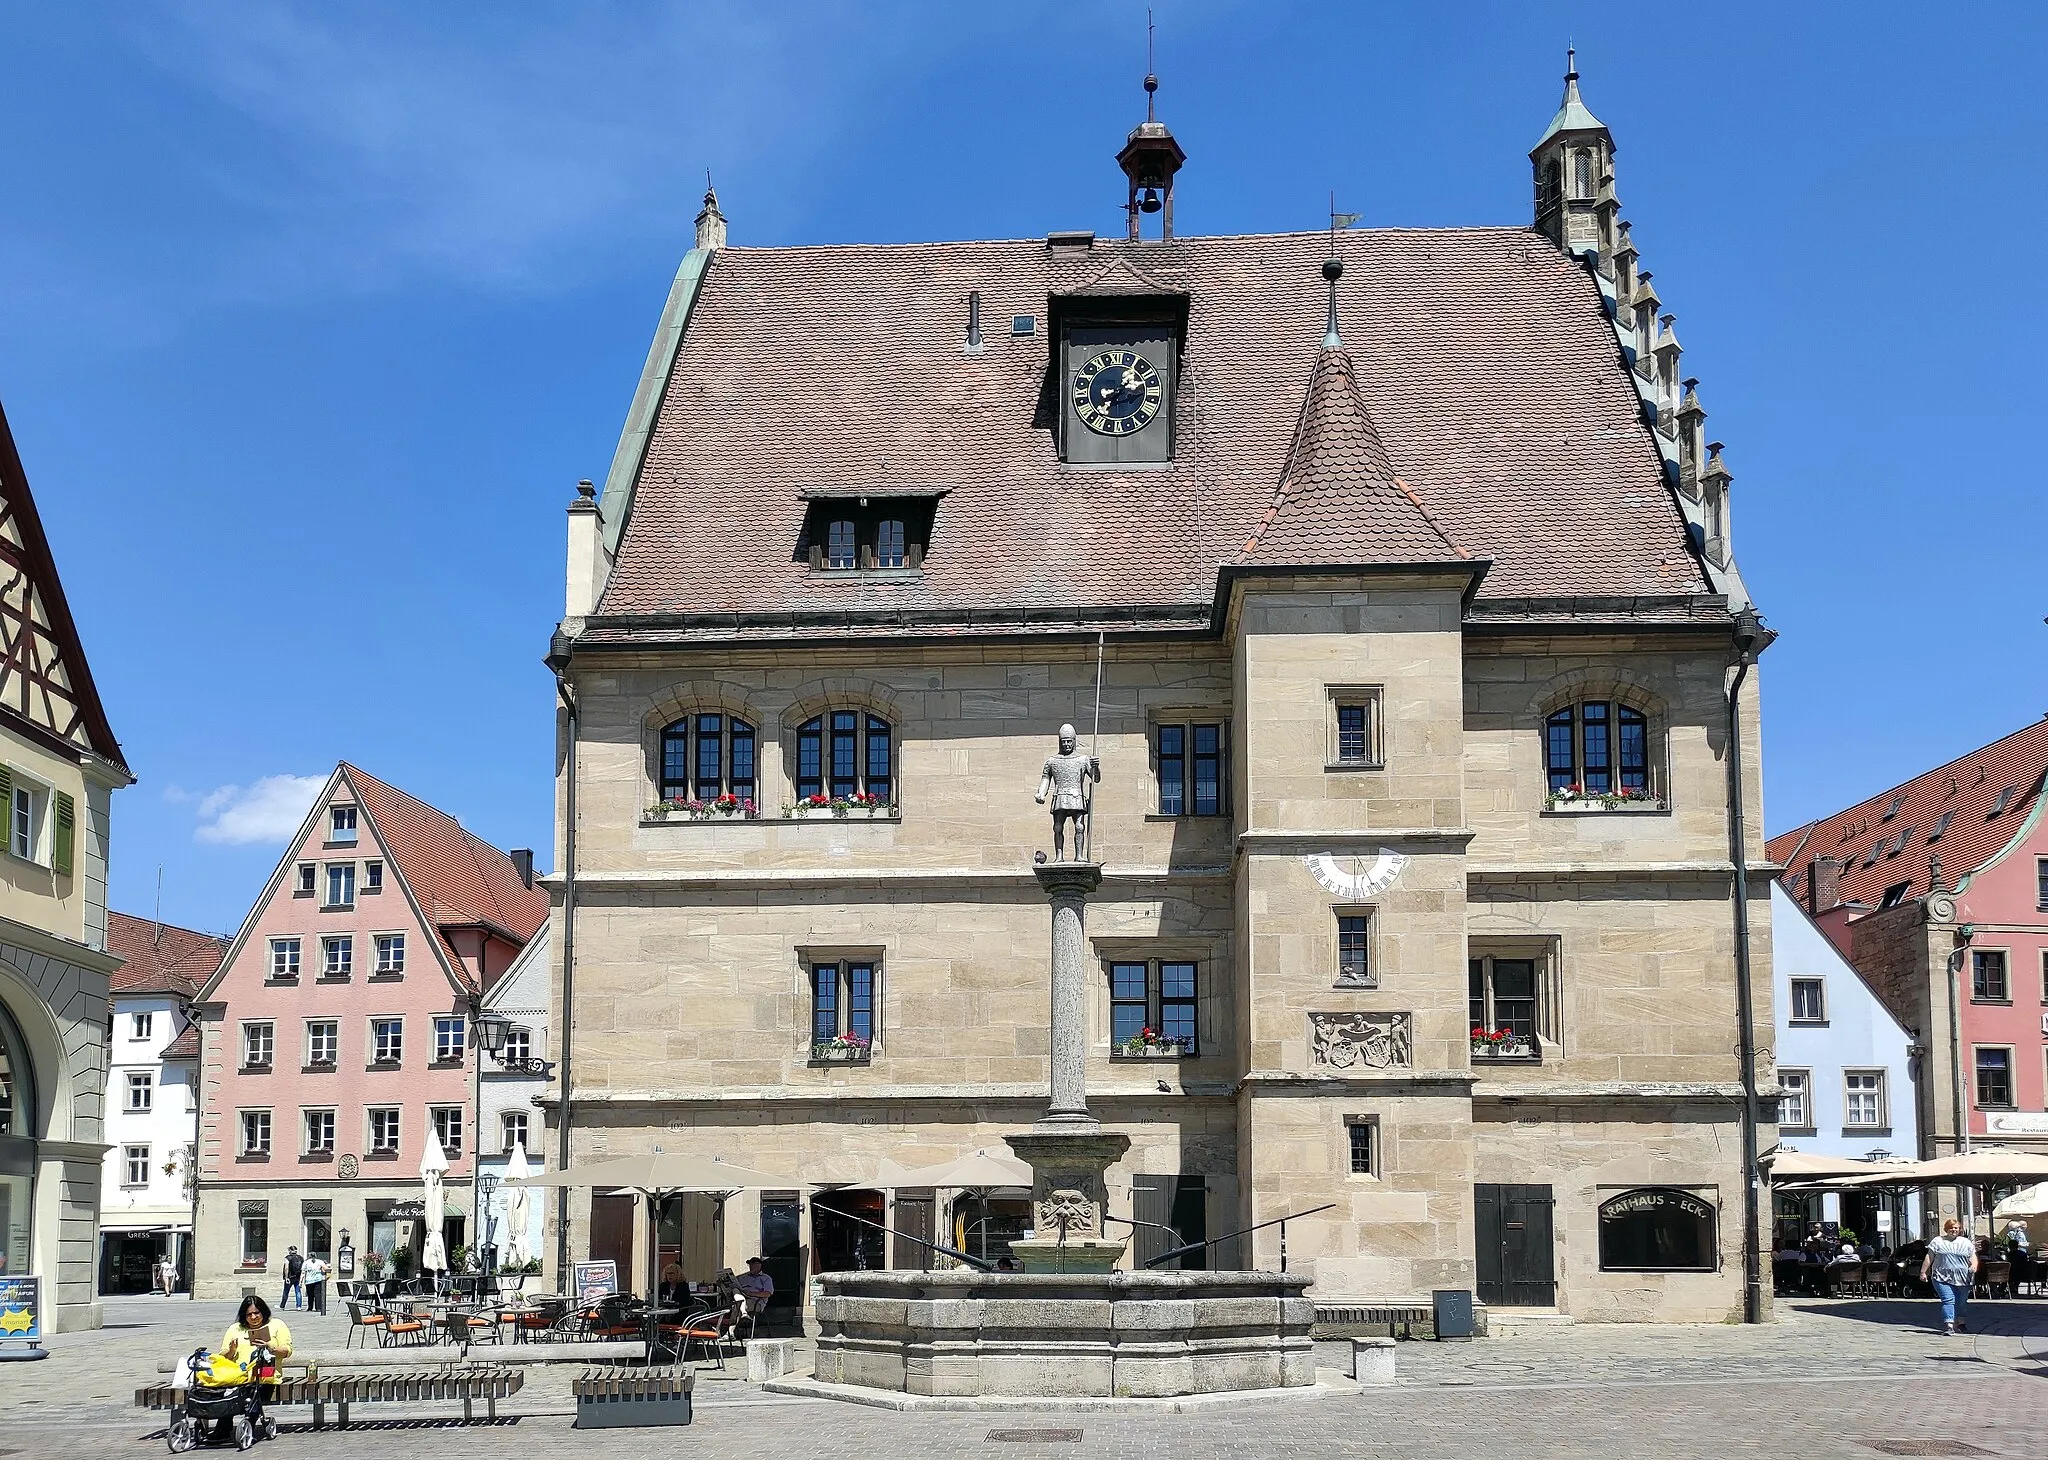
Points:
point(1372, 1360)
point(769, 1358)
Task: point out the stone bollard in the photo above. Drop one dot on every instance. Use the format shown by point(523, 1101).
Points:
point(1372, 1360)
point(769, 1358)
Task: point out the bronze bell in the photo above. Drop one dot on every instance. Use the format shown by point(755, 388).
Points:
point(1150, 202)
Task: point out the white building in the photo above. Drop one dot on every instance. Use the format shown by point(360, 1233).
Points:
point(1848, 1075)
point(509, 1117)
point(145, 1203)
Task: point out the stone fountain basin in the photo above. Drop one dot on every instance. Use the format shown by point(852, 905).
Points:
point(1119, 1335)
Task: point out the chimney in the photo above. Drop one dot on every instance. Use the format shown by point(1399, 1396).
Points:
point(522, 863)
point(588, 561)
point(1824, 885)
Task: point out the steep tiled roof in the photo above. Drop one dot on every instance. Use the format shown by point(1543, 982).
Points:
point(1339, 499)
point(1483, 356)
point(160, 958)
point(1962, 812)
point(185, 1046)
point(456, 878)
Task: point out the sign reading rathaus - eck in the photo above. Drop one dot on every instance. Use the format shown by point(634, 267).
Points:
point(1391, 605)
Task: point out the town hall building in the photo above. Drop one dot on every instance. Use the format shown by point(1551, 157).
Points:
point(1392, 589)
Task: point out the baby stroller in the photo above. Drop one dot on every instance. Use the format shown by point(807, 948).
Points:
point(223, 1400)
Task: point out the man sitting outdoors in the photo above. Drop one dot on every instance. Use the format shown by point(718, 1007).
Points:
point(755, 1286)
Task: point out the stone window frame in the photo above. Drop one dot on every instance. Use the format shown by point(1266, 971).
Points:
point(1187, 717)
point(143, 1083)
point(1792, 1014)
point(313, 1063)
point(1978, 951)
point(1614, 685)
point(384, 966)
point(1372, 697)
point(1547, 951)
point(1211, 971)
point(307, 1150)
point(377, 1061)
point(2044, 983)
point(1977, 1052)
point(254, 1223)
point(246, 1046)
point(682, 705)
point(813, 956)
point(1882, 1125)
point(287, 950)
point(1806, 1127)
point(1371, 913)
point(1375, 1148)
point(246, 1148)
point(128, 1162)
point(505, 1141)
point(370, 1146)
point(442, 1116)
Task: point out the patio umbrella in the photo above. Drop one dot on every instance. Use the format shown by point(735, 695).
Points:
point(1976, 1168)
point(1790, 1165)
point(975, 1173)
point(433, 1250)
point(656, 1175)
point(516, 1217)
point(2031, 1202)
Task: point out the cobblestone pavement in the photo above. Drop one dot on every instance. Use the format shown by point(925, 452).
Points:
point(1827, 1379)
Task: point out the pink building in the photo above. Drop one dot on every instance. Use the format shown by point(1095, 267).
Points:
point(336, 1034)
point(1936, 890)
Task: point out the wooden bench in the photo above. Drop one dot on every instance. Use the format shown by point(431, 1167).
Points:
point(615, 1398)
point(378, 1387)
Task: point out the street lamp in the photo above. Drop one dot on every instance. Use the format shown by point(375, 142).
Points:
point(491, 1031)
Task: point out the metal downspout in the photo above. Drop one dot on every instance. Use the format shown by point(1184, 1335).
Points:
point(1747, 632)
point(558, 661)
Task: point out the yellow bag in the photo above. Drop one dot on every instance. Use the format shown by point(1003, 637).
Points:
point(221, 1372)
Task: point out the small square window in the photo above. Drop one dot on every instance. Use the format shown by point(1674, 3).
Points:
point(373, 877)
point(341, 824)
point(308, 876)
point(284, 959)
point(1023, 324)
point(518, 1048)
point(384, 1130)
point(135, 1165)
point(1809, 1001)
point(1354, 726)
point(1362, 1132)
point(337, 956)
point(1863, 1098)
point(1989, 981)
point(141, 1090)
point(1354, 961)
point(255, 1133)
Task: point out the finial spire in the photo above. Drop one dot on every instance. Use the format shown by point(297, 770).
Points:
point(1151, 70)
point(1571, 62)
point(1333, 270)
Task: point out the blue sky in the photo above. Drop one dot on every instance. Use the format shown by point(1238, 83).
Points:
point(314, 314)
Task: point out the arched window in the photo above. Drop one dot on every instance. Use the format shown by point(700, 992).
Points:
point(1582, 174)
point(17, 1082)
point(890, 544)
point(17, 1146)
point(845, 753)
point(1657, 1229)
point(839, 545)
point(1598, 748)
point(707, 756)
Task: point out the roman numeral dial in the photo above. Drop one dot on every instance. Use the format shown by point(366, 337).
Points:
point(1117, 393)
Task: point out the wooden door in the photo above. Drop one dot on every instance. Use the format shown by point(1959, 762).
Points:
point(611, 1236)
point(1516, 1256)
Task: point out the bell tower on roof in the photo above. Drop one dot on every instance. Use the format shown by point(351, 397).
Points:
point(1574, 169)
point(1150, 159)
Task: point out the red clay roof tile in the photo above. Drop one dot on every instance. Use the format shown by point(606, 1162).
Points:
point(161, 958)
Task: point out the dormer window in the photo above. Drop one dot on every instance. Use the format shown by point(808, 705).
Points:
point(846, 534)
point(341, 824)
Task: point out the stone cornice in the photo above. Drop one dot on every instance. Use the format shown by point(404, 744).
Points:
point(1592, 871)
point(1288, 839)
point(1288, 1082)
point(55, 945)
point(1019, 877)
point(1608, 1090)
point(868, 1095)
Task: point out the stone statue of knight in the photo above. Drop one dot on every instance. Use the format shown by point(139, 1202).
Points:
point(1066, 779)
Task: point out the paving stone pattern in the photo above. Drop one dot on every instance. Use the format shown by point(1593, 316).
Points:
point(1826, 1380)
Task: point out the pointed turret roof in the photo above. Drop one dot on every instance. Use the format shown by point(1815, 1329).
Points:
point(1340, 501)
point(1572, 113)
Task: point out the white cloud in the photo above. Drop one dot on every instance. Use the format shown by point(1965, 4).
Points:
point(268, 811)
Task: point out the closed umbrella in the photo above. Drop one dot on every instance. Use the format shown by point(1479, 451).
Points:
point(516, 1216)
point(433, 1250)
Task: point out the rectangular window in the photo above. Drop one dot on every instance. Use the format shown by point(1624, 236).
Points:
point(139, 1025)
point(387, 1040)
point(890, 546)
point(845, 760)
point(308, 875)
point(255, 1132)
point(1988, 976)
point(514, 1131)
point(842, 1007)
point(1809, 1001)
point(337, 956)
point(383, 1130)
point(1994, 1079)
point(1594, 730)
point(255, 1241)
point(839, 544)
point(341, 885)
point(448, 1129)
point(1559, 762)
point(1505, 1003)
point(323, 1041)
point(1352, 743)
point(141, 1090)
point(135, 1165)
point(1795, 1108)
point(390, 953)
point(1152, 1007)
point(2044, 979)
point(373, 877)
point(450, 1042)
point(341, 823)
point(23, 828)
point(284, 958)
point(1361, 1131)
point(1354, 725)
point(2041, 883)
point(1354, 968)
point(518, 1047)
point(319, 1133)
point(1863, 1098)
point(258, 1038)
point(1193, 764)
point(1597, 748)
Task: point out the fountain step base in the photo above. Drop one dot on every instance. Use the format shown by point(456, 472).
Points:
point(1328, 1382)
point(1071, 1336)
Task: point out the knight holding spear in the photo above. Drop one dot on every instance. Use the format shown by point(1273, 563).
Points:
point(1066, 779)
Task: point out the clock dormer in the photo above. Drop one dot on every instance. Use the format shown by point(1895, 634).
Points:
point(1116, 354)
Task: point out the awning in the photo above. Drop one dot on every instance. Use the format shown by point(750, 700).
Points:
point(144, 1227)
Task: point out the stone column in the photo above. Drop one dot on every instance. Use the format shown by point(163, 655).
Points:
point(1068, 885)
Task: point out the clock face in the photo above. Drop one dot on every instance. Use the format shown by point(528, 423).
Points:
point(1117, 393)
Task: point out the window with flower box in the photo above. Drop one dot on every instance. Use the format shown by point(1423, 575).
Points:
point(319, 1132)
point(448, 1128)
point(256, 1134)
point(259, 1038)
point(387, 1041)
point(842, 1008)
point(450, 1039)
point(383, 1130)
point(337, 956)
point(845, 760)
point(709, 766)
point(1152, 1008)
point(284, 960)
point(1598, 751)
point(390, 955)
point(1512, 998)
point(323, 1042)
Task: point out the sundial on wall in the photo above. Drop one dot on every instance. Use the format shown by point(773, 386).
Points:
point(1357, 875)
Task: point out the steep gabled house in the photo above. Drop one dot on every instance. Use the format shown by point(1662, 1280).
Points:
point(336, 1033)
point(59, 768)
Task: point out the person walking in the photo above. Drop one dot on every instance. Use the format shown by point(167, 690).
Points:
point(1950, 1267)
point(294, 1280)
point(315, 1274)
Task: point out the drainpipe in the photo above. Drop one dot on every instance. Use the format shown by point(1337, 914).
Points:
point(192, 1165)
point(1748, 632)
point(558, 662)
